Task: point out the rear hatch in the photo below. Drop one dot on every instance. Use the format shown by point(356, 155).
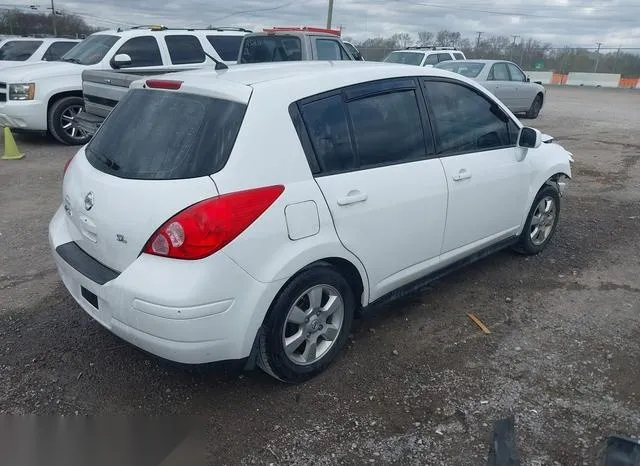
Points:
point(150, 160)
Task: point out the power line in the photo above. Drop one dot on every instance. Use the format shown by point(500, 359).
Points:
point(252, 11)
point(519, 14)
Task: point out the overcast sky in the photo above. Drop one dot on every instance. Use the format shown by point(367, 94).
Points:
point(562, 22)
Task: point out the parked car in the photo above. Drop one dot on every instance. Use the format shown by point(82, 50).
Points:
point(25, 50)
point(294, 44)
point(506, 81)
point(104, 89)
point(48, 96)
point(424, 56)
point(285, 199)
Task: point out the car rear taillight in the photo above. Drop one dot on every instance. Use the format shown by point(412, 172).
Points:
point(164, 84)
point(66, 165)
point(209, 225)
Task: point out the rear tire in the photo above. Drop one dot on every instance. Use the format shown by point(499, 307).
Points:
point(541, 223)
point(535, 108)
point(60, 121)
point(307, 326)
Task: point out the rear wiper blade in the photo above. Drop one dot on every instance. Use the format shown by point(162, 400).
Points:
point(107, 161)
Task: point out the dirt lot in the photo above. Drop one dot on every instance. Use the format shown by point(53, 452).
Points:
point(419, 383)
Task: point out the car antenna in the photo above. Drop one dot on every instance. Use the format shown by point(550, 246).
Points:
point(219, 64)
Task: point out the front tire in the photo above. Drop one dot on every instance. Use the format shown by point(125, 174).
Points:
point(60, 121)
point(535, 108)
point(541, 223)
point(307, 326)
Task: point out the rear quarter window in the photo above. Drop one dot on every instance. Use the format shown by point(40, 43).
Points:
point(143, 139)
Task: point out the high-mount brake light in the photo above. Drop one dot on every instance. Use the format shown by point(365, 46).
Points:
point(168, 84)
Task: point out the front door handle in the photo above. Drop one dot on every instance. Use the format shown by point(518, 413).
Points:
point(353, 197)
point(462, 175)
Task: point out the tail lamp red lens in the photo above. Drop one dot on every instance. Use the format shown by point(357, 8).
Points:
point(208, 226)
point(164, 84)
point(66, 165)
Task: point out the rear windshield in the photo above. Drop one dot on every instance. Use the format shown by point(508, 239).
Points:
point(406, 58)
point(260, 49)
point(465, 68)
point(144, 139)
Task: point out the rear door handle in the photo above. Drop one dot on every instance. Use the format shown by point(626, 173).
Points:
point(462, 175)
point(353, 197)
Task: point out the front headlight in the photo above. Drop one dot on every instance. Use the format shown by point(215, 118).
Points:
point(22, 91)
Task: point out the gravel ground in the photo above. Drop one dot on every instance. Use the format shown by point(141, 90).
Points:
point(418, 383)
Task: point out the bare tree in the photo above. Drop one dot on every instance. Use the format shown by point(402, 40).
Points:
point(403, 39)
point(425, 38)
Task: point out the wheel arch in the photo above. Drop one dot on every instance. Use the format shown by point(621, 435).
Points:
point(61, 95)
point(349, 271)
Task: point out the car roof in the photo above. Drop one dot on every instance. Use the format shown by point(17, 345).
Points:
point(42, 39)
point(486, 62)
point(294, 80)
point(293, 33)
point(135, 32)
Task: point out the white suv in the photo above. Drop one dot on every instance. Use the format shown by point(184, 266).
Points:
point(25, 50)
point(48, 96)
point(424, 56)
point(288, 197)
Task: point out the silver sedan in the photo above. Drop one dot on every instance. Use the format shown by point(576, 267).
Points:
point(505, 80)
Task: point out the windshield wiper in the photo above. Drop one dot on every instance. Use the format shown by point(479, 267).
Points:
point(70, 60)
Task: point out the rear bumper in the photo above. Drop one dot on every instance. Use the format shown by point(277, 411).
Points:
point(88, 122)
point(185, 311)
point(27, 115)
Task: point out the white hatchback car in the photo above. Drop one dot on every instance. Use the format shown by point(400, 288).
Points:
point(287, 197)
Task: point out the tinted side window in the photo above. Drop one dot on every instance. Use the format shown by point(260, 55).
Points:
point(226, 46)
point(326, 123)
point(261, 49)
point(458, 56)
point(19, 50)
point(516, 74)
point(143, 51)
point(329, 49)
point(57, 50)
point(464, 120)
point(444, 57)
point(431, 59)
point(184, 49)
point(499, 72)
point(387, 128)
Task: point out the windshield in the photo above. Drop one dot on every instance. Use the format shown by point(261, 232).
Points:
point(406, 58)
point(468, 69)
point(142, 138)
point(260, 49)
point(91, 50)
point(19, 50)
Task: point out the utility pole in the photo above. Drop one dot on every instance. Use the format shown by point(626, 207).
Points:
point(53, 18)
point(615, 66)
point(478, 40)
point(512, 47)
point(597, 57)
point(329, 14)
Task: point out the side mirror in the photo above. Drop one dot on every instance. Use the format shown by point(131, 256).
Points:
point(120, 60)
point(528, 79)
point(529, 138)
